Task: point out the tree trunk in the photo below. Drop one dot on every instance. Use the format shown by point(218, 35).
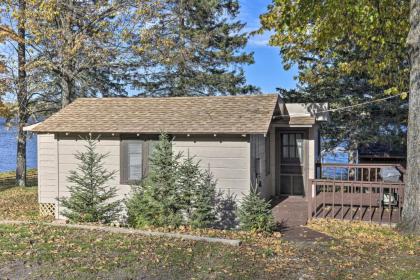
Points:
point(411, 208)
point(68, 91)
point(22, 99)
point(67, 81)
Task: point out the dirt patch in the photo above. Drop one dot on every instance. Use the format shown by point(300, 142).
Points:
point(18, 270)
point(304, 234)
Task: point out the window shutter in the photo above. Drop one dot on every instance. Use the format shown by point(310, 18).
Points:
point(267, 154)
point(123, 162)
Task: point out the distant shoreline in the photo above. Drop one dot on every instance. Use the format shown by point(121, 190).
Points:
point(8, 144)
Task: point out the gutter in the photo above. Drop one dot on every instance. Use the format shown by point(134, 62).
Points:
point(31, 127)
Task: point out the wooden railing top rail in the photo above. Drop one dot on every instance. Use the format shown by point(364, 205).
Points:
point(364, 183)
point(366, 165)
point(362, 165)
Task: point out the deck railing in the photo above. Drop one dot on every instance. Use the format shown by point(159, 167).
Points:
point(356, 192)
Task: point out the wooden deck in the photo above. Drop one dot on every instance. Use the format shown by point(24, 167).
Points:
point(290, 211)
point(363, 213)
point(357, 192)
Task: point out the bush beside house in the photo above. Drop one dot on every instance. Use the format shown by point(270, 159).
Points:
point(91, 199)
point(156, 201)
point(175, 192)
point(255, 213)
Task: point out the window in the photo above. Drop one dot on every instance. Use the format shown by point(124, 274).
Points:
point(292, 146)
point(134, 160)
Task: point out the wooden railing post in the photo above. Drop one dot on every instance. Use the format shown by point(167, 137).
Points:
point(310, 197)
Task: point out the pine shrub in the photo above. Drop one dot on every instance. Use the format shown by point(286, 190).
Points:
point(175, 192)
point(203, 207)
point(91, 199)
point(157, 202)
point(255, 213)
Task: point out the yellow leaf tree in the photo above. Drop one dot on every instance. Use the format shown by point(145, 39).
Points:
point(372, 37)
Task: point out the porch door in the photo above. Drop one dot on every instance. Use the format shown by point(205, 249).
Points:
point(291, 163)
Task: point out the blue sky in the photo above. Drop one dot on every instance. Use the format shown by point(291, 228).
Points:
point(267, 72)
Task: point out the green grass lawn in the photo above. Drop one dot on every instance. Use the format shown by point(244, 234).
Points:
point(36, 251)
point(8, 174)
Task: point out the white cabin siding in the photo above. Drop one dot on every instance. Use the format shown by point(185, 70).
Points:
point(56, 158)
point(47, 168)
point(227, 159)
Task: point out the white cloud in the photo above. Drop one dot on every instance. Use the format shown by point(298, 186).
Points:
point(260, 40)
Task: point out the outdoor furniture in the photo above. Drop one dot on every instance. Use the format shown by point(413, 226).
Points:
point(390, 198)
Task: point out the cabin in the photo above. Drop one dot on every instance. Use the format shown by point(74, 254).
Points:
point(244, 141)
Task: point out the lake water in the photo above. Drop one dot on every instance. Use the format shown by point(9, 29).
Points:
point(8, 140)
point(8, 150)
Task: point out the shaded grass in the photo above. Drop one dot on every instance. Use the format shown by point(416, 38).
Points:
point(372, 251)
point(359, 251)
point(41, 251)
point(71, 253)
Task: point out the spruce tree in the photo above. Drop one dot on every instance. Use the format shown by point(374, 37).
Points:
point(203, 206)
point(91, 199)
point(255, 213)
point(157, 201)
point(198, 190)
point(175, 192)
point(190, 47)
point(188, 180)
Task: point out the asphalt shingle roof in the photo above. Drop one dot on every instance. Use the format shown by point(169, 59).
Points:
point(195, 115)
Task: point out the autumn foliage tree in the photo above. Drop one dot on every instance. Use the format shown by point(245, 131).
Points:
point(81, 47)
point(13, 18)
point(356, 38)
point(56, 52)
point(4, 109)
point(347, 55)
point(61, 50)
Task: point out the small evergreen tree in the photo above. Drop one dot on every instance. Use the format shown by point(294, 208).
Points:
point(255, 213)
point(175, 192)
point(198, 192)
point(203, 205)
point(188, 179)
point(157, 201)
point(89, 199)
